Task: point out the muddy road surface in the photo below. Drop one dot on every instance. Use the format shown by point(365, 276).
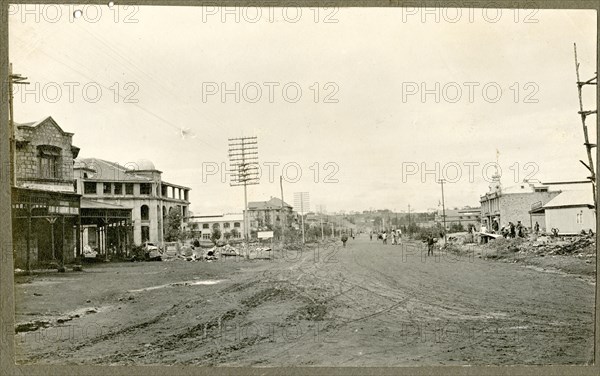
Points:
point(367, 304)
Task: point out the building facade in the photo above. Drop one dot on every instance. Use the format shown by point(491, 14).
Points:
point(267, 215)
point(136, 186)
point(512, 204)
point(231, 226)
point(571, 212)
point(466, 217)
point(45, 206)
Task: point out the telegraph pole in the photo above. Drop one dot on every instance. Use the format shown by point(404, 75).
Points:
point(302, 199)
point(19, 80)
point(584, 115)
point(243, 157)
point(442, 181)
point(322, 231)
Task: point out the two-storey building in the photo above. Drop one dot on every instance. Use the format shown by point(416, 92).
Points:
point(137, 186)
point(502, 205)
point(45, 206)
point(267, 215)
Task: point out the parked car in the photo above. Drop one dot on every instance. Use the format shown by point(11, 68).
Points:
point(152, 252)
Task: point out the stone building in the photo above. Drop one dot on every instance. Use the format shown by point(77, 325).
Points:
point(267, 215)
point(45, 206)
point(135, 186)
point(512, 204)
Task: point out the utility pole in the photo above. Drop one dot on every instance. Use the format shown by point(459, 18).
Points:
point(322, 231)
point(321, 220)
point(283, 213)
point(302, 199)
point(584, 115)
point(243, 157)
point(442, 181)
point(19, 80)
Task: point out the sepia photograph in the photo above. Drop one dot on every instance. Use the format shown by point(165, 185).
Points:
point(279, 185)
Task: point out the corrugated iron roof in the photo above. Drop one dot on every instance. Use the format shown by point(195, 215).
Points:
point(572, 198)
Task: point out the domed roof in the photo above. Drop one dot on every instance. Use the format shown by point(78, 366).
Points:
point(144, 165)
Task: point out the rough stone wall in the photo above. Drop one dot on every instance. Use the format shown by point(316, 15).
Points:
point(515, 207)
point(27, 155)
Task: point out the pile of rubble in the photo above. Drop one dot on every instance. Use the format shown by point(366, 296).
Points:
point(545, 245)
point(565, 246)
point(191, 253)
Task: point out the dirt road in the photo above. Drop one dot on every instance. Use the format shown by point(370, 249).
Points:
point(367, 304)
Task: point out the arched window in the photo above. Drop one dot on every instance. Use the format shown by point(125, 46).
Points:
point(216, 226)
point(226, 225)
point(145, 212)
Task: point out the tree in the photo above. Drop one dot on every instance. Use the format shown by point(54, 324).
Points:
point(173, 226)
point(378, 221)
point(215, 235)
point(457, 227)
point(235, 233)
point(227, 235)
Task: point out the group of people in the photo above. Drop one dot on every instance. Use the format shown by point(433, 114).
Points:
point(396, 236)
point(512, 231)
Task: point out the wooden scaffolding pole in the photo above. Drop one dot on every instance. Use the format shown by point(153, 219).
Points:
point(584, 114)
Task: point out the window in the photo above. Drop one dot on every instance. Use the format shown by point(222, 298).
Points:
point(237, 225)
point(216, 226)
point(129, 188)
point(118, 189)
point(48, 166)
point(205, 226)
point(206, 236)
point(107, 188)
point(226, 225)
point(145, 188)
point(49, 161)
point(89, 188)
point(145, 212)
point(580, 217)
point(75, 185)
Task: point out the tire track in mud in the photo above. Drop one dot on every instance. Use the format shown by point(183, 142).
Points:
point(203, 333)
point(111, 335)
point(362, 285)
point(496, 337)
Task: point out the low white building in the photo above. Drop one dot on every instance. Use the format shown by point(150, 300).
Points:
point(571, 212)
point(202, 225)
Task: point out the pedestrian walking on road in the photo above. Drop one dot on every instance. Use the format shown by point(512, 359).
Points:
point(536, 227)
point(344, 239)
point(430, 245)
point(394, 238)
point(371, 236)
point(384, 237)
point(511, 227)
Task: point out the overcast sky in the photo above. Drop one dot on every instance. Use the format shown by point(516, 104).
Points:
point(372, 65)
